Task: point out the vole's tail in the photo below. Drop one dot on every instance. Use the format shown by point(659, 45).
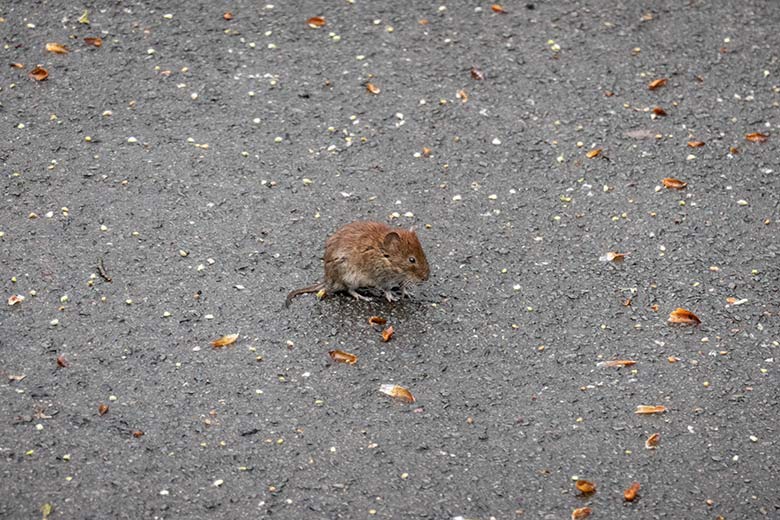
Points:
point(317, 287)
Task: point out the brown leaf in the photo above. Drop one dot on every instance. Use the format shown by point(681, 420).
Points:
point(376, 320)
point(373, 88)
point(224, 341)
point(593, 153)
point(387, 334)
point(658, 83)
point(17, 65)
point(580, 513)
point(397, 391)
point(695, 144)
point(343, 357)
point(462, 95)
point(608, 93)
point(228, 16)
point(15, 298)
point(315, 22)
point(733, 150)
point(646, 409)
point(138, 433)
point(585, 486)
point(62, 362)
point(659, 111)
point(684, 316)
point(652, 442)
point(630, 493)
point(102, 409)
point(477, 74)
point(497, 8)
point(618, 363)
point(39, 74)
point(654, 307)
point(56, 48)
point(757, 137)
point(95, 42)
point(674, 184)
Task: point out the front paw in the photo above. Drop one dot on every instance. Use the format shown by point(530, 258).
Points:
point(391, 297)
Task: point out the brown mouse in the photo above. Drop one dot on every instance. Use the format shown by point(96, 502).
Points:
point(370, 254)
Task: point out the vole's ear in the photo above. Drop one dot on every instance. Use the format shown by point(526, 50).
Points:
point(392, 241)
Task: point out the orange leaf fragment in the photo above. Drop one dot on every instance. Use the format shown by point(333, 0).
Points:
point(343, 357)
point(426, 152)
point(757, 137)
point(683, 316)
point(15, 298)
point(673, 359)
point(397, 391)
point(62, 362)
point(387, 334)
point(138, 433)
point(585, 486)
point(658, 83)
point(659, 111)
point(477, 74)
point(462, 95)
point(730, 300)
point(581, 512)
point(102, 409)
point(617, 363)
point(224, 341)
point(627, 302)
point(654, 307)
point(315, 22)
point(645, 409)
point(652, 442)
point(613, 256)
point(95, 42)
point(228, 16)
point(674, 184)
point(17, 65)
point(373, 88)
point(733, 150)
point(424, 21)
point(39, 74)
point(593, 153)
point(630, 493)
point(695, 144)
point(376, 320)
point(497, 8)
point(56, 48)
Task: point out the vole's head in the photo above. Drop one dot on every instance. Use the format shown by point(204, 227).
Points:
point(403, 250)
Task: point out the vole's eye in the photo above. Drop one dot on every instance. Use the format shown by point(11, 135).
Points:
point(412, 260)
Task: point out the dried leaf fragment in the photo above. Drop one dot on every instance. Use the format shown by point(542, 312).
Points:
point(674, 184)
point(581, 512)
point(659, 111)
point(477, 74)
point(16, 377)
point(376, 320)
point(15, 298)
point(613, 256)
point(62, 362)
point(56, 48)
point(373, 88)
point(657, 83)
point(397, 392)
point(228, 16)
point(695, 144)
point(497, 8)
point(585, 486)
point(646, 409)
point(224, 341)
point(387, 334)
point(102, 409)
point(39, 74)
point(138, 433)
point(593, 153)
point(462, 95)
point(757, 137)
point(673, 359)
point(17, 65)
point(630, 493)
point(315, 22)
point(683, 316)
point(617, 363)
point(652, 442)
point(343, 357)
point(95, 42)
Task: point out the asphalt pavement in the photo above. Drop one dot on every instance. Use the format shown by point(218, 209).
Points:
point(170, 186)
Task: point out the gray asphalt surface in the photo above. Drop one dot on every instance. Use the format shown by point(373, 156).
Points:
point(256, 137)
